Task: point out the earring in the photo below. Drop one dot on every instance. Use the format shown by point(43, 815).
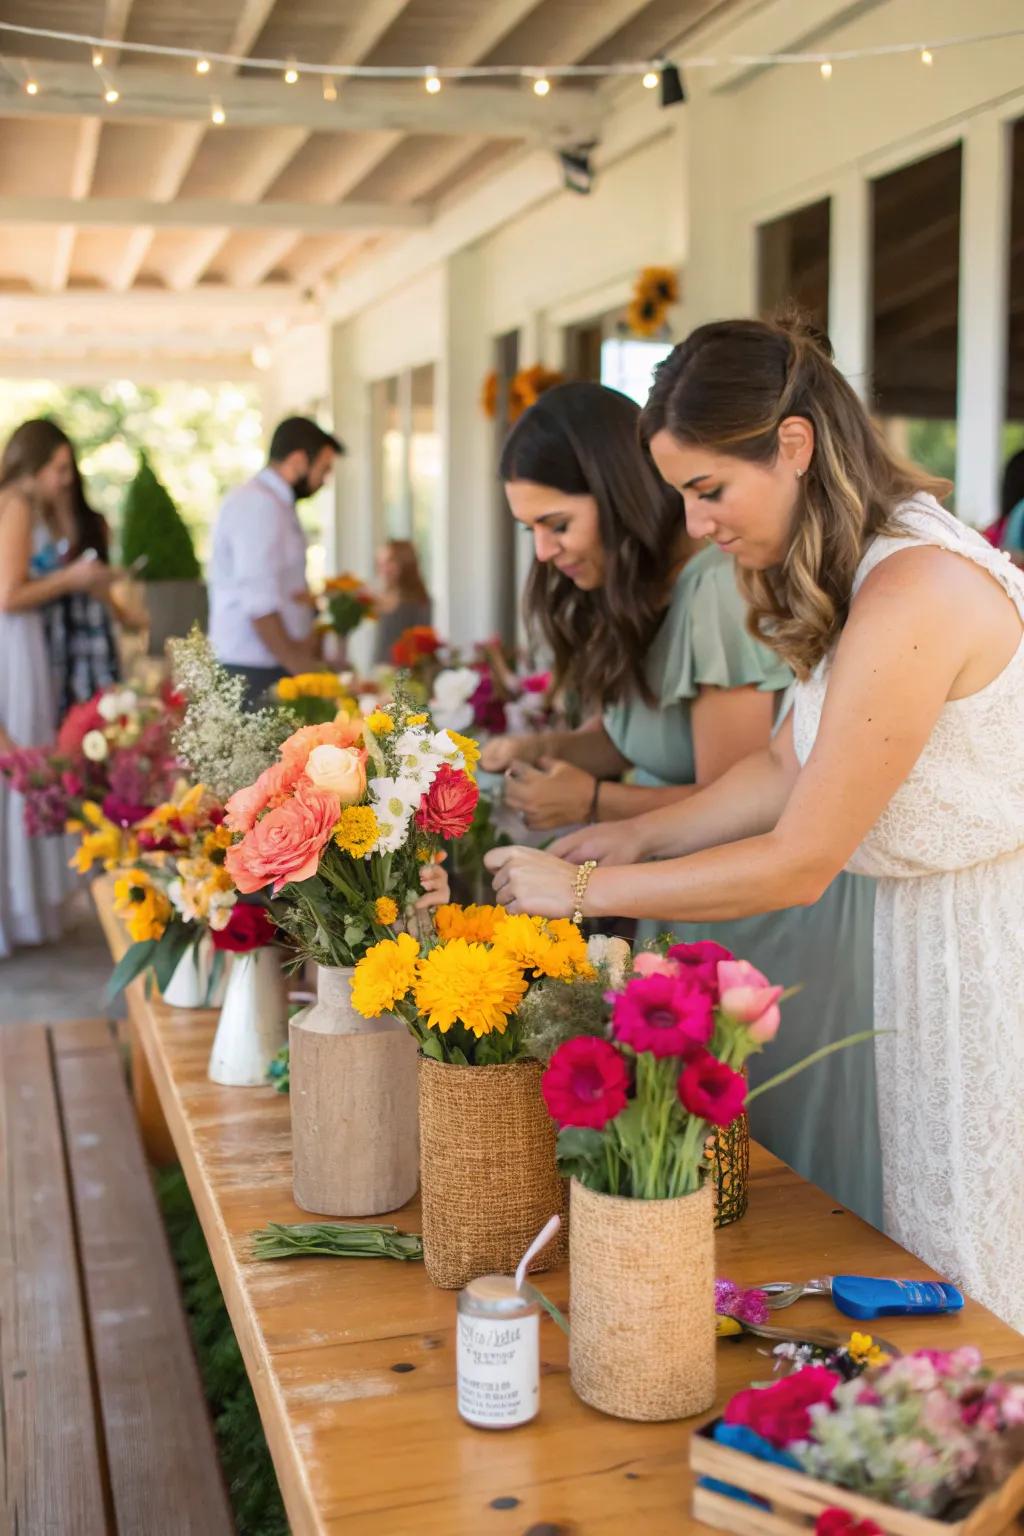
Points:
point(799, 474)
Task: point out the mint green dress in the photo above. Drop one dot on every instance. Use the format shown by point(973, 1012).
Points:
point(823, 1123)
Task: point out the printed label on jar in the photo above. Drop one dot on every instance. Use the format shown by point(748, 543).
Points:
point(498, 1369)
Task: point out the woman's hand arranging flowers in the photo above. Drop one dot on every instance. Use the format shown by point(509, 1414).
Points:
point(635, 1108)
point(343, 832)
point(461, 993)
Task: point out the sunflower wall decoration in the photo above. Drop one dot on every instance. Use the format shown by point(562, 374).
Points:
point(654, 292)
point(524, 388)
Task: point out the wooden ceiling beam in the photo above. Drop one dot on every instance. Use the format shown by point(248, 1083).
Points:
point(203, 213)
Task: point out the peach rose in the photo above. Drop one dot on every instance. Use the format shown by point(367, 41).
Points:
point(340, 769)
point(342, 732)
point(286, 845)
point(271, 789)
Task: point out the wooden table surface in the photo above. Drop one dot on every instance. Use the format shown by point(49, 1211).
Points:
point(352, 1361)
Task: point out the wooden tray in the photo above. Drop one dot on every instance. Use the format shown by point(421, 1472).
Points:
point(797, 1500)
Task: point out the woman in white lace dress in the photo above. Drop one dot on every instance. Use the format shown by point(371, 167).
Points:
point(903, 759)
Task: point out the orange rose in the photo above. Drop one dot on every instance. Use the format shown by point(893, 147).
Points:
point(342, 732)
point(286, 845)
point(271, 789)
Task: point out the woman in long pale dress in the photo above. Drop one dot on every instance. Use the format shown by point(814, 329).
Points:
point(35, 470)
point(905, 759)
point(686, 693)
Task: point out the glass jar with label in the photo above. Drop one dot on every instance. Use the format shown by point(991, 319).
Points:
point(497, 1353)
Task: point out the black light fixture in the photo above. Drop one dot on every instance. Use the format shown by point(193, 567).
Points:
point(577, 171)
point(672, 88)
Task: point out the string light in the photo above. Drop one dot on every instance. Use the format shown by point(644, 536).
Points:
point(111, 94)
point(650, 80)
point(291, 75)
point(826, 70)
point(541, 86)
point(202, 66)
point(32, 87)
point(97, 58)
point(218, 116)
point(432, 82)
point(927, 57)
point(330, 90)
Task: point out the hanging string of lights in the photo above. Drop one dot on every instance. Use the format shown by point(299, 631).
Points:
point(652, 73)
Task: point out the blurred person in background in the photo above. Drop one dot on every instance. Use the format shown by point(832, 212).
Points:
point(402, 600)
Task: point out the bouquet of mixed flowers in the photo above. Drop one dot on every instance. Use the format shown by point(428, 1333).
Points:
point(925, 1432)
point(635, 1102)
point(346, 603)
point(337, 830)
point(314, 697)
point(463, 992)
point(114, 758)
point(178, 889)
point(494, 693)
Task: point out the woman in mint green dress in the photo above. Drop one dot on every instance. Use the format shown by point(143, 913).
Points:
point(651, 631)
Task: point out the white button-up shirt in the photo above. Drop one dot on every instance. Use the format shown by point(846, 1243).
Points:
point(258, 567)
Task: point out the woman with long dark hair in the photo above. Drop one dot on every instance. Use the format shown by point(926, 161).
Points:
point(402, 597)
point(79, 626)
point(647, 626)
point(36, 471)
point(903, 759)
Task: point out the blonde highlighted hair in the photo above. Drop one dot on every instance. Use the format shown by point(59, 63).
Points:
point(728, 388)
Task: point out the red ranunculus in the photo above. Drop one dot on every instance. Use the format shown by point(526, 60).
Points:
point(839, 1522)
point(700, 961)
point(666, 1015)
point(781, 1413)
point(711, 1090)
point(77, 723)
point(449, 804)
point(585, 1083)
point(249, 927)
point(124, 813)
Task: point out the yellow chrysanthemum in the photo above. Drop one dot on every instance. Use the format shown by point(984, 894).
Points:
point(474, 923)
point(463, 983)
point(287, 690)
point(469, 749)
point(379, 723)
point(385, 910)
point(385, 975)
point(416, 719)
point(570, 957)
point(526, 941)
point(357, 830)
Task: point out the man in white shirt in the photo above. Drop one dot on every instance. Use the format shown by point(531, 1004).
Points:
point(261, 620)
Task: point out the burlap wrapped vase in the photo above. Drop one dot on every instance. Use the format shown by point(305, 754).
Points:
point(642, 1304)
point(353, 1106)
point(488, 1176)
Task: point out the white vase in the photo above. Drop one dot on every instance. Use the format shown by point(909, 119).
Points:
point(253, 1023)
point(355, 1142)
point(190, 983)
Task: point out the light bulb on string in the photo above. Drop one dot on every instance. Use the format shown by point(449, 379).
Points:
point(650, 80)
point(111, 94)
point(218, 116)
point(541, 86)
point(97, 58)
point(291, 75)
point(927, 57)
point(330, 90)
point(31, 87)
point(432, 82)
point(202, 66)
point(826, 70)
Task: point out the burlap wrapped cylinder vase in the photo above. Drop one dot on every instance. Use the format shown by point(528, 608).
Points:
point(488, 1175)
point(642, 1304)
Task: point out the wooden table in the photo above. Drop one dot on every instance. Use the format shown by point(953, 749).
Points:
point(352, 1361)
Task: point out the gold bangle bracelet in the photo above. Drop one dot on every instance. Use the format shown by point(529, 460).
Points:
point(579, 890)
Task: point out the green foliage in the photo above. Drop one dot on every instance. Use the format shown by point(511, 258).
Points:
point(255, 1495)
point(154, 529)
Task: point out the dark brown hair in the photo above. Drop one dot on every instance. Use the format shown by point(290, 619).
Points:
point(410, 585)
point(30, 448)
point(582, 440)
point(729, 387)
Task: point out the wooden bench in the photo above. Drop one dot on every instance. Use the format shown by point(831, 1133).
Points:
point(105, 1426)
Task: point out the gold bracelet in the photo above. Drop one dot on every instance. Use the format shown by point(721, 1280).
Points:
point(579, 889)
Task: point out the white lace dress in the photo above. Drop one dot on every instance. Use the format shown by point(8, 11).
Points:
point(948, 854)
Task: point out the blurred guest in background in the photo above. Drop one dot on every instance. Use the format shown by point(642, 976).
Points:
point(402, 599)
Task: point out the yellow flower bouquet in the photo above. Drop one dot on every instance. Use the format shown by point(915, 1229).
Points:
point(314, 697)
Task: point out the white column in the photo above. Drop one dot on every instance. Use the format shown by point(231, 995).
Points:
point(983, 317)
point(353, 544)
point(465, 569)
point(850, 279)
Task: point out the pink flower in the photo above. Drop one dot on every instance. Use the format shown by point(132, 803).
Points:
point(839, 1522)
point(585, 1083)
point(666, 1015)
point(649, 964)
point(270, 790)
point(711, 1090)
point(781, 1413)
point(749, 998)
point(701, 961)
point(286, 845)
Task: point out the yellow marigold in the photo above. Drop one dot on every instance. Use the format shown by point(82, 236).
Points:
point(526, 941)
point(468, 984)
point(357, 830)
point(570, 952)
point(313, 685)
point(416, 719)
point(379, 723)
point(385, 975)
point(287, 690)
point(385, 910)
point(469, 749)
point(474, 923)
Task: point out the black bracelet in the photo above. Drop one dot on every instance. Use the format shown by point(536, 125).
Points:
point(592, 813)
